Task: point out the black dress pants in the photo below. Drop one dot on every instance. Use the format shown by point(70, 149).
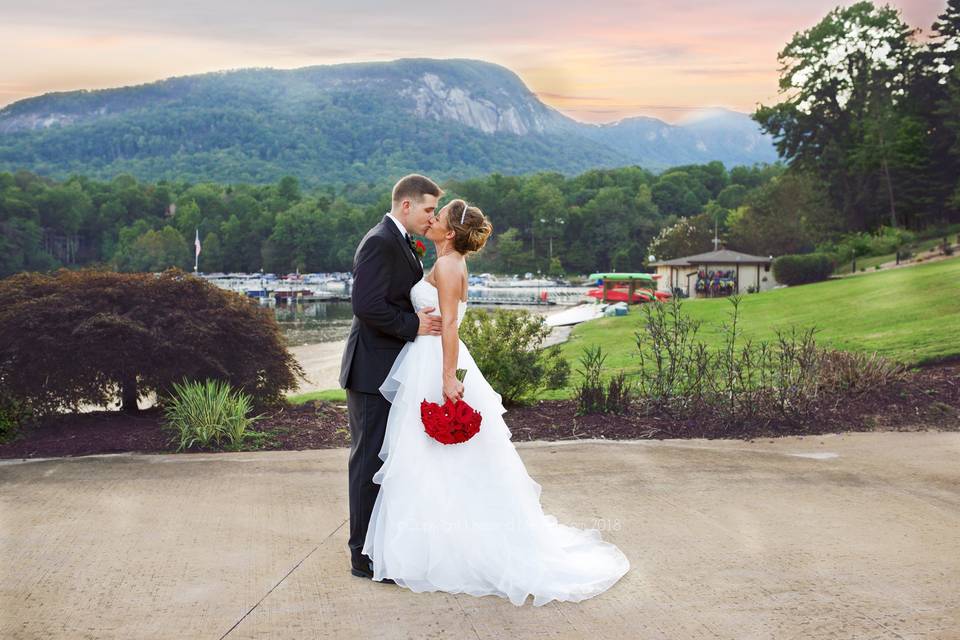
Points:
point(367, 413)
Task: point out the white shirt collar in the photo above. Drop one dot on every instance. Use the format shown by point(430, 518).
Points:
point(403, 232)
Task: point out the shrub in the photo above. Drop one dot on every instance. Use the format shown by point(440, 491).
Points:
point(506, 346)
point(744, 382)
point(208, 413)
point(75, 337)
point(593, 396)
point(673, 362)
point(13, 415)
point(851, 372)
point(802, 268)
point(860, 244)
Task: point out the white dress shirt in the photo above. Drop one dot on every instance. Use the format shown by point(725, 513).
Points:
point(403, 232)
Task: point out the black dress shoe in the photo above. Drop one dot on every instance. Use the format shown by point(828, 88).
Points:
point(367, 572)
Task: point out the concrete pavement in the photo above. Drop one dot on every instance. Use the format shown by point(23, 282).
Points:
point(837, 536)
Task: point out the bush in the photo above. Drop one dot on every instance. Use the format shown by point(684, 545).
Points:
point(208, 413)
point(782, 381)
point(506, 346)
point(851, 372)
point(593, 396)
point(13, 415)
point(76, 337)
point(885, 240)
point(802, 268)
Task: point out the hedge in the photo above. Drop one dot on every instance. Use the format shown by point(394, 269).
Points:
point(802, 268)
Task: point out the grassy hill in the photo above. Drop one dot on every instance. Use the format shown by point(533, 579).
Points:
point(911, 314)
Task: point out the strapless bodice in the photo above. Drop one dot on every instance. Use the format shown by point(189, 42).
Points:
point(425, 294)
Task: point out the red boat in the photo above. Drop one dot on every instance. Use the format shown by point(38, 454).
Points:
point(619, 294)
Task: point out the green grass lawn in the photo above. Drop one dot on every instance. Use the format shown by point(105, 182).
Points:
point(330, 395)
point(910, 314)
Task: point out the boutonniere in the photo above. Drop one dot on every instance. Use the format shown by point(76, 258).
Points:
point(420, 248)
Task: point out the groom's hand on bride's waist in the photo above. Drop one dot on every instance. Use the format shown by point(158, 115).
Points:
point(429, 325)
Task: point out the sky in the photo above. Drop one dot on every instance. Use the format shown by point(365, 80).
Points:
point(597, 61)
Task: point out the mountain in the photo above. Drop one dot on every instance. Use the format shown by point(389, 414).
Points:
point(709, 134)
point(346, 123)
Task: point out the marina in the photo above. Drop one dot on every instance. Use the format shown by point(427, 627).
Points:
point(280, 290)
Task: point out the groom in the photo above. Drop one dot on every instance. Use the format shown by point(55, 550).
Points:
point(385, 268)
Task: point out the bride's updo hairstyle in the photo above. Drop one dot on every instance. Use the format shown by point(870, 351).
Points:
point(472, 233)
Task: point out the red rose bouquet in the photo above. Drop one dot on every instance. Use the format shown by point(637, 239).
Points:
point(451, 422)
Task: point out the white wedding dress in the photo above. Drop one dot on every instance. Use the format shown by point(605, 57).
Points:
point(466, 518)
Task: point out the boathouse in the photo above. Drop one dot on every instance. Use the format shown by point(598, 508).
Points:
point(715, 273)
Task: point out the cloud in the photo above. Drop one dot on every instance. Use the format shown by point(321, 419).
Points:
point(608, 58)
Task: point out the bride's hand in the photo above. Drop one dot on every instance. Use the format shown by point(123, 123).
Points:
point(452, 388)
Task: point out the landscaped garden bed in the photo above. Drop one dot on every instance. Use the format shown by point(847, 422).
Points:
point(928, 399)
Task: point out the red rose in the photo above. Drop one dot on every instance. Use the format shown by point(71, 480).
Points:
point(451, 423)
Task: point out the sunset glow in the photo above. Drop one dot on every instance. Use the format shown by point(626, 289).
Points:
point(598, 62)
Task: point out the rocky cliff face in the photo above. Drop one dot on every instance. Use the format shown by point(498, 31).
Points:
point(433, 98)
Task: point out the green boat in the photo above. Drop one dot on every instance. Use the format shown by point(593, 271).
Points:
point(622, 276)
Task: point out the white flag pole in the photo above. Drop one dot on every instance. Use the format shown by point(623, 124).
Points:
point(196, 257)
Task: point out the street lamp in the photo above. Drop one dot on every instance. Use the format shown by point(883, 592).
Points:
point(554, 221)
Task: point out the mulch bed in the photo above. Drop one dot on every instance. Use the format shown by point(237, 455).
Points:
point(929, 399)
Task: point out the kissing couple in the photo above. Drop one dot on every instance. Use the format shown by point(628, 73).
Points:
point(427, 516)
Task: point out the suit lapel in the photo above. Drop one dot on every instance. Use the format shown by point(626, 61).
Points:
point(411, 259)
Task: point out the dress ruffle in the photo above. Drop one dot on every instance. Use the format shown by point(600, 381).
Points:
point(466, 518)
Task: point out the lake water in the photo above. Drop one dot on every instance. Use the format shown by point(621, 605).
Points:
point(320, 322)
point(315, 322)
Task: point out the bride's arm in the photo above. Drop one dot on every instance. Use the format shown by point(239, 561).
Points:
point(447, 274)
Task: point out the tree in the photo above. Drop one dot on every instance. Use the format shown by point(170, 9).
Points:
point(158, 250)
point(211, 257)
point(688, 236)
point(787, 216)
point(939, 85)
point(87, 337)
point(678, 193)
point(508, 249)
point(289, 189)
point(854, 66)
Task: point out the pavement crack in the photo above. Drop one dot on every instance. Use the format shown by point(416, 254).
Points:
point(467, 616)
point(251, 609)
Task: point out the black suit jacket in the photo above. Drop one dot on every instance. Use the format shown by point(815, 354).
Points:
point(384, 271)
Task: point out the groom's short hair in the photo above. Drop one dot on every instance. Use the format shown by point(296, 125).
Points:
point(414, 187)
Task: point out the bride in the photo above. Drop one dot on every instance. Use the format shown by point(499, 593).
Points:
point(466, 518)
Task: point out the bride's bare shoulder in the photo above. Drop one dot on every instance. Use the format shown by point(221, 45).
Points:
point(451, 264)
point(449, 271)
